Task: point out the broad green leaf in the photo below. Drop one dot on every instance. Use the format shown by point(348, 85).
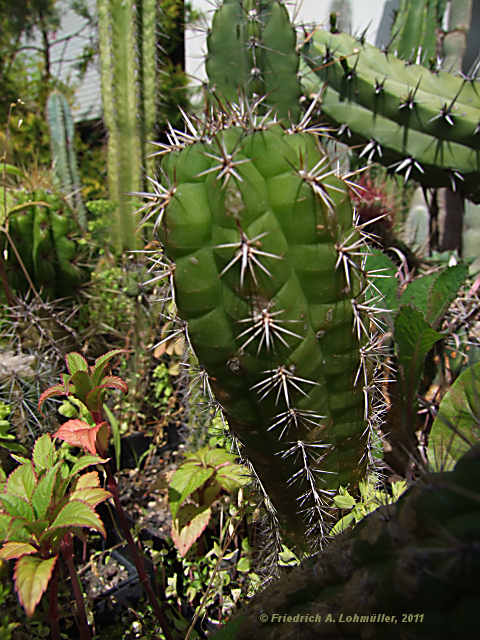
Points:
point(457, 424)
point(78, 514)
point(17, 531)
point(91, 495)
point(232, 476)
point(84, 462)
point(417, 292)
point(83, 385)
point(101, 363)
point(243, 565)
point(5, 521)
point(22, 481)
point(414, 338)
point(344, 502)
point(189, 527)
point(32, 575)
point(89, 480)
point(11, 550)
point(12, 170)
point(44, 453)
point(343, 524)
point(444, 292)
point(17, 507)
point(75, 362)
point(216, 457)
point(42, 495)
point(186, 479)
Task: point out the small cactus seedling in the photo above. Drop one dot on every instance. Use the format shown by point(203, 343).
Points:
point(266, 268)
point(418, 123)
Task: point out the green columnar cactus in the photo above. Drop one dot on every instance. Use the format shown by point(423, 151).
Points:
point(42, 228)
point(252, 50)
point(408, 570)
point(120, 98)
point(60, 123)
point(266, 267)
point(415, 30)
point(416, 122)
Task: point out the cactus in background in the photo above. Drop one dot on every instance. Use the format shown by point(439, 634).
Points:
point(60, 123)
point(342, 10)
point(266, 268)
point(41, 227)
point(252, 51)
point(423, 124)
point(408, 570)
point(415, 31)
point(121, 73)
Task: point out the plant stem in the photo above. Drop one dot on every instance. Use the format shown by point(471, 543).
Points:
point(66, 547)
point(134, 551)
point(53, 604)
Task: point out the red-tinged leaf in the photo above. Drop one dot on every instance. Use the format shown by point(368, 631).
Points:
point(42, 496)
point(31, 576)
point(44, 454)
point(76, 362)
point(184, 537)
point(11, 550)
point(186, 479)
point(101, 363)
point(5, 521)
point(77, 514)
point(55, 390)
point(91, 495)
point(89, 479)
point(17, 507)
point(79, 434)
point(86, 461)
point(113, 382)
point(22, 481)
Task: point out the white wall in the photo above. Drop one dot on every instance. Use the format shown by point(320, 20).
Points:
point(365, 13)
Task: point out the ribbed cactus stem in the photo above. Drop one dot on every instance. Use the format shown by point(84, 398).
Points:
point(62, 134)
point(266, 267)
point(117, 37)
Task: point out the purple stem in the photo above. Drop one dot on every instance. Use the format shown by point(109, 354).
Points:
point(66, 547)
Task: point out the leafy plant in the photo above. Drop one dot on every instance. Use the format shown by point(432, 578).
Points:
point(44, 503)
point(8, 440)
point(196, 484)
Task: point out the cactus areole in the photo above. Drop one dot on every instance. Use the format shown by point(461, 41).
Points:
point(266, 267)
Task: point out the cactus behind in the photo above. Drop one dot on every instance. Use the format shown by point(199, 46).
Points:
point(42, 228)
point(252, 49)
point(61, 127)
point(267, 275)
point(418, 123)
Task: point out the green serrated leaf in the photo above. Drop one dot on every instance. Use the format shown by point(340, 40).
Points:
point(32, 575)
point(193, 522)
point(344, 502)
point(101, 364)
point(343, 524)
point(17, 507)
point(91, 495)
point(5, 521)
point(186, 479)
point(11, 550)
point(417, 292)
point(458, 421)
point(83, 384)
point(84, 462)
point(243, 565)
point(22, 481)
point(43, 453)
point(232, 476)
point(42, 495)
point(75, 362)
point(77, 514)
point(414, 338)
point(444, 292)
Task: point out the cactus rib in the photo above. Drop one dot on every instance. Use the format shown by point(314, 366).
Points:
point(404, 116)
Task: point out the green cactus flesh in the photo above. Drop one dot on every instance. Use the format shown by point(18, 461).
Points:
point(252, 49)
point(268, 278)
point(408, 570)
point(416, 122)
point(41, 227)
